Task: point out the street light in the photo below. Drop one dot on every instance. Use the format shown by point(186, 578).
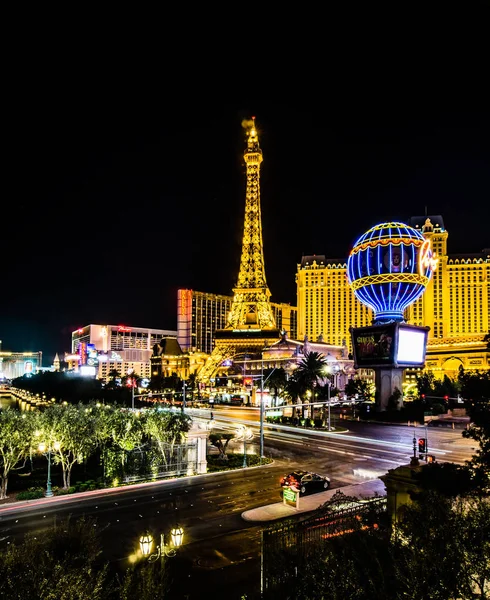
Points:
point(183, 395)
point(327, 371)
point(329, 383)
point(42, 449)
point(162, 550)
point(262, 410)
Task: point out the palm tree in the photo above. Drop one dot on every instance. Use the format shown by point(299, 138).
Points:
point(276, 380)
point(312, 370)
point(294, 392)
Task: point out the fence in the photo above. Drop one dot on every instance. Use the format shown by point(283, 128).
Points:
point(287, 543)
point(167, 461)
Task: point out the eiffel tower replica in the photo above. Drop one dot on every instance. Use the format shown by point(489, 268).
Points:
point(251, 324)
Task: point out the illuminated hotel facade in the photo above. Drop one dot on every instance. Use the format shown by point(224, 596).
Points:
point(200, 314)
point(17, 364)
point(455, 304)
point(99, 349)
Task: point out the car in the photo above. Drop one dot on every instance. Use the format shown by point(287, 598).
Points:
point(306, 482)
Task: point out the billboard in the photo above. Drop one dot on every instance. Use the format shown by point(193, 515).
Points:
point(389, 345)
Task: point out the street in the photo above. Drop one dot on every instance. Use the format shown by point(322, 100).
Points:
point(221, 550)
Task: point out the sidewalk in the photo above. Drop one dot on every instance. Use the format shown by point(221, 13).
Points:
point(271, 512)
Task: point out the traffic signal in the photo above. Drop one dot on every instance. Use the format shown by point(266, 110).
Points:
point(422, 448)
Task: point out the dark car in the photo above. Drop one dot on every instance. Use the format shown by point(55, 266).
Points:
point(306, 482)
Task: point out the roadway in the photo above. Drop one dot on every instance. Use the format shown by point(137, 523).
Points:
point(221, 548)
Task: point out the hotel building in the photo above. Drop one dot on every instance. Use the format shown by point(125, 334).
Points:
point(455, 304)
point(99, 349)
point(200, 314)
point(17, 364)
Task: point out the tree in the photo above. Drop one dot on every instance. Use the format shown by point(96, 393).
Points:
point(114, 376)
point(69, 430)
point(476, 387)
point(361, 387)
point(311, 370)
point(426, 384)
point(294, 391)
point(167, 428)
point(16, 433)
point(443, 547)
point(126, 431)
point(276, 380)
point(221, 441)
point(63, 564)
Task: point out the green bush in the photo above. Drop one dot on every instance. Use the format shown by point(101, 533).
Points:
point(438, 409)
point(235, 462)
point(31, 494)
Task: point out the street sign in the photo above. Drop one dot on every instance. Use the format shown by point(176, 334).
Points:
point(291, 496)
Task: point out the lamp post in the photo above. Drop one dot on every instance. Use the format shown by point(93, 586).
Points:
point(262, 410)
point(327, 371)
point(414, 461)
point(183, 395)
point(328, 398)
point(162, 550)
point(42, 449)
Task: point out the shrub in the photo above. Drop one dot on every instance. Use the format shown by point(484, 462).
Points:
point(31, 494)
point(438, 409)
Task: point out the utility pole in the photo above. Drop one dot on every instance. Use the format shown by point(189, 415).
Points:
point(262, 410)
point(183, 395)
point(328, 398)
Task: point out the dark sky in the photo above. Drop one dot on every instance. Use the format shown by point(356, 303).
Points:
point(115, 199)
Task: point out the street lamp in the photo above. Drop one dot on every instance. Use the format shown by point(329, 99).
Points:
point(183, 395)
point(414, 461)
point(329, 383)
point(262, 410)
point(42, 449)
point(327, 371)
point(162, 550)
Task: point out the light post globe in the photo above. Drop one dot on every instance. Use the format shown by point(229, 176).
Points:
point(389, 268)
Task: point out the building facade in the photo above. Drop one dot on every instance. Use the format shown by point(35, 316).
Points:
point(200, 314)
point(98, 350)
point(17, 364)
point(327, 306)
point(455, 304)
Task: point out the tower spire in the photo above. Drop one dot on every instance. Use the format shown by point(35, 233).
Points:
point(251, 324)
point(251, 306)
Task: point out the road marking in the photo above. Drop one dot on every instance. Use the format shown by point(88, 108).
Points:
point(387, 460)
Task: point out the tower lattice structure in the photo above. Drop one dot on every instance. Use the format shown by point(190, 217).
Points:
point(251, 324)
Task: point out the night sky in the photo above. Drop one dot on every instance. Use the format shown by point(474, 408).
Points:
point(111, 207)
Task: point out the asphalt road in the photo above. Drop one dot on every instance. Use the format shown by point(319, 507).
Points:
point(221, 551)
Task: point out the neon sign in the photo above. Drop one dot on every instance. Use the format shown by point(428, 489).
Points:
point(427, 258)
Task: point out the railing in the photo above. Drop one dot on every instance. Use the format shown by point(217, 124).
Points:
point(287, 544)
